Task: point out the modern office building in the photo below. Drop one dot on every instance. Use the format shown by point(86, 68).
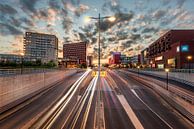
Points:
point(75, 53)
point(171, 50)
point(41, 46)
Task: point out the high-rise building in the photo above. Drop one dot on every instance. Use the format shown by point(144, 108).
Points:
point(41, 46)
point(75, 52)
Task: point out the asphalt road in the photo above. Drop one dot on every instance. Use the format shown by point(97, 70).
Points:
point(24, 116)
point(150, 109)
point(85, 102)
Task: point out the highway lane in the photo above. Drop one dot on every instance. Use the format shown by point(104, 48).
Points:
point(114, 113)
point(65, 115)
point(151, 110)
point(27, 114)
point(84, 102)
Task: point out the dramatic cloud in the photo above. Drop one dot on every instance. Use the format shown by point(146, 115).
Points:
point(150, 29)
point(29, 5)
point(54, 4)
point(180, 3)
point(67, 24)
point(7, 29)
point(81, 10)
point(7, 9)
point(159, 13)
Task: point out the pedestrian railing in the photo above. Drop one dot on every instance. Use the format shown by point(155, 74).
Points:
point(182, 76)
point(7, 72)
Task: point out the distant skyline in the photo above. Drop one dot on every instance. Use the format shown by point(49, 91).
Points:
point(138, 23)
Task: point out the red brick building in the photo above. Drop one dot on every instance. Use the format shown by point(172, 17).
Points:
point(115, 58)
point(171, 50)
point(75, 52)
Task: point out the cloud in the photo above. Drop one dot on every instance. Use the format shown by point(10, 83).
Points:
point(120, 18)
point(27, 21)
point(159, 14)
point(150, 30)
point(54, 4)
point(7, 29)
point(112, 5)
point(28, 5)
point(67, 24)
point(180, 3)
point(81, 10)
point(7, 9)
point(165, 2)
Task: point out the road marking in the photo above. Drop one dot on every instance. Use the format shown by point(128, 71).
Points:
point(137, 124)
point(85, 118)
point(78, 98)
point(133, 91)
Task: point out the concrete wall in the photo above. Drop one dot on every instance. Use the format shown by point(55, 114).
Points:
point(13, 88)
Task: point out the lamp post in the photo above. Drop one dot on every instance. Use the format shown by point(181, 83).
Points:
point(99, 18)
point(151, 62)
point(188, 59)
point(138, 70)
point(166, 70)
point(22, 61)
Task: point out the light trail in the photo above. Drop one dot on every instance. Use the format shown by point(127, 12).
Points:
point(48, 119)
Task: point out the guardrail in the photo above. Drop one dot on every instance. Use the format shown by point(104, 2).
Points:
point(182, 77)
point(7, 72)
point(171, 70)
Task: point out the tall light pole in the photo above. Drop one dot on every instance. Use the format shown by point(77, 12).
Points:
point(151, 62)
point(99, 18)
point(166, 70)
point(189, 58)
point(138, 67)
point(22, 61)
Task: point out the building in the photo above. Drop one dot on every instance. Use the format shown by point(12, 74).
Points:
point(41, 46)
point(89, 61)
point(172, 49)
point(75, 53)
point(135, 60)
point(144, 61)
point(125, 59)
point(10, 58)
point(115, 58)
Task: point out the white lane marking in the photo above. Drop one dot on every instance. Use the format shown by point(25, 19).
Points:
point(65, 99)
point(133, 91)
point(85, 118)
point(80, 103)
point(137, 124)
point(78, 98)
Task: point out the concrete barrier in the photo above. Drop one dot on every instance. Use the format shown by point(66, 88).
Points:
point(13, 88)
point(184, 107)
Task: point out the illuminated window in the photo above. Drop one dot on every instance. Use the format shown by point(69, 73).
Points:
point(178, 49)
point(184, 48)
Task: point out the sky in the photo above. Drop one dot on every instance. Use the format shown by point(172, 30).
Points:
point(138, 22)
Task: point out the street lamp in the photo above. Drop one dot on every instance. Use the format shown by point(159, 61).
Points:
point(138, 70)
point(188, 59)
point(22, 61)
point(99, 18)
point(151, 62)
point(166, 70)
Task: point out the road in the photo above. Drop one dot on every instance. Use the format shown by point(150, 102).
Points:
point(85, 102)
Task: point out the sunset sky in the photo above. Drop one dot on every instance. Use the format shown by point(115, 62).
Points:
point(138, 22)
